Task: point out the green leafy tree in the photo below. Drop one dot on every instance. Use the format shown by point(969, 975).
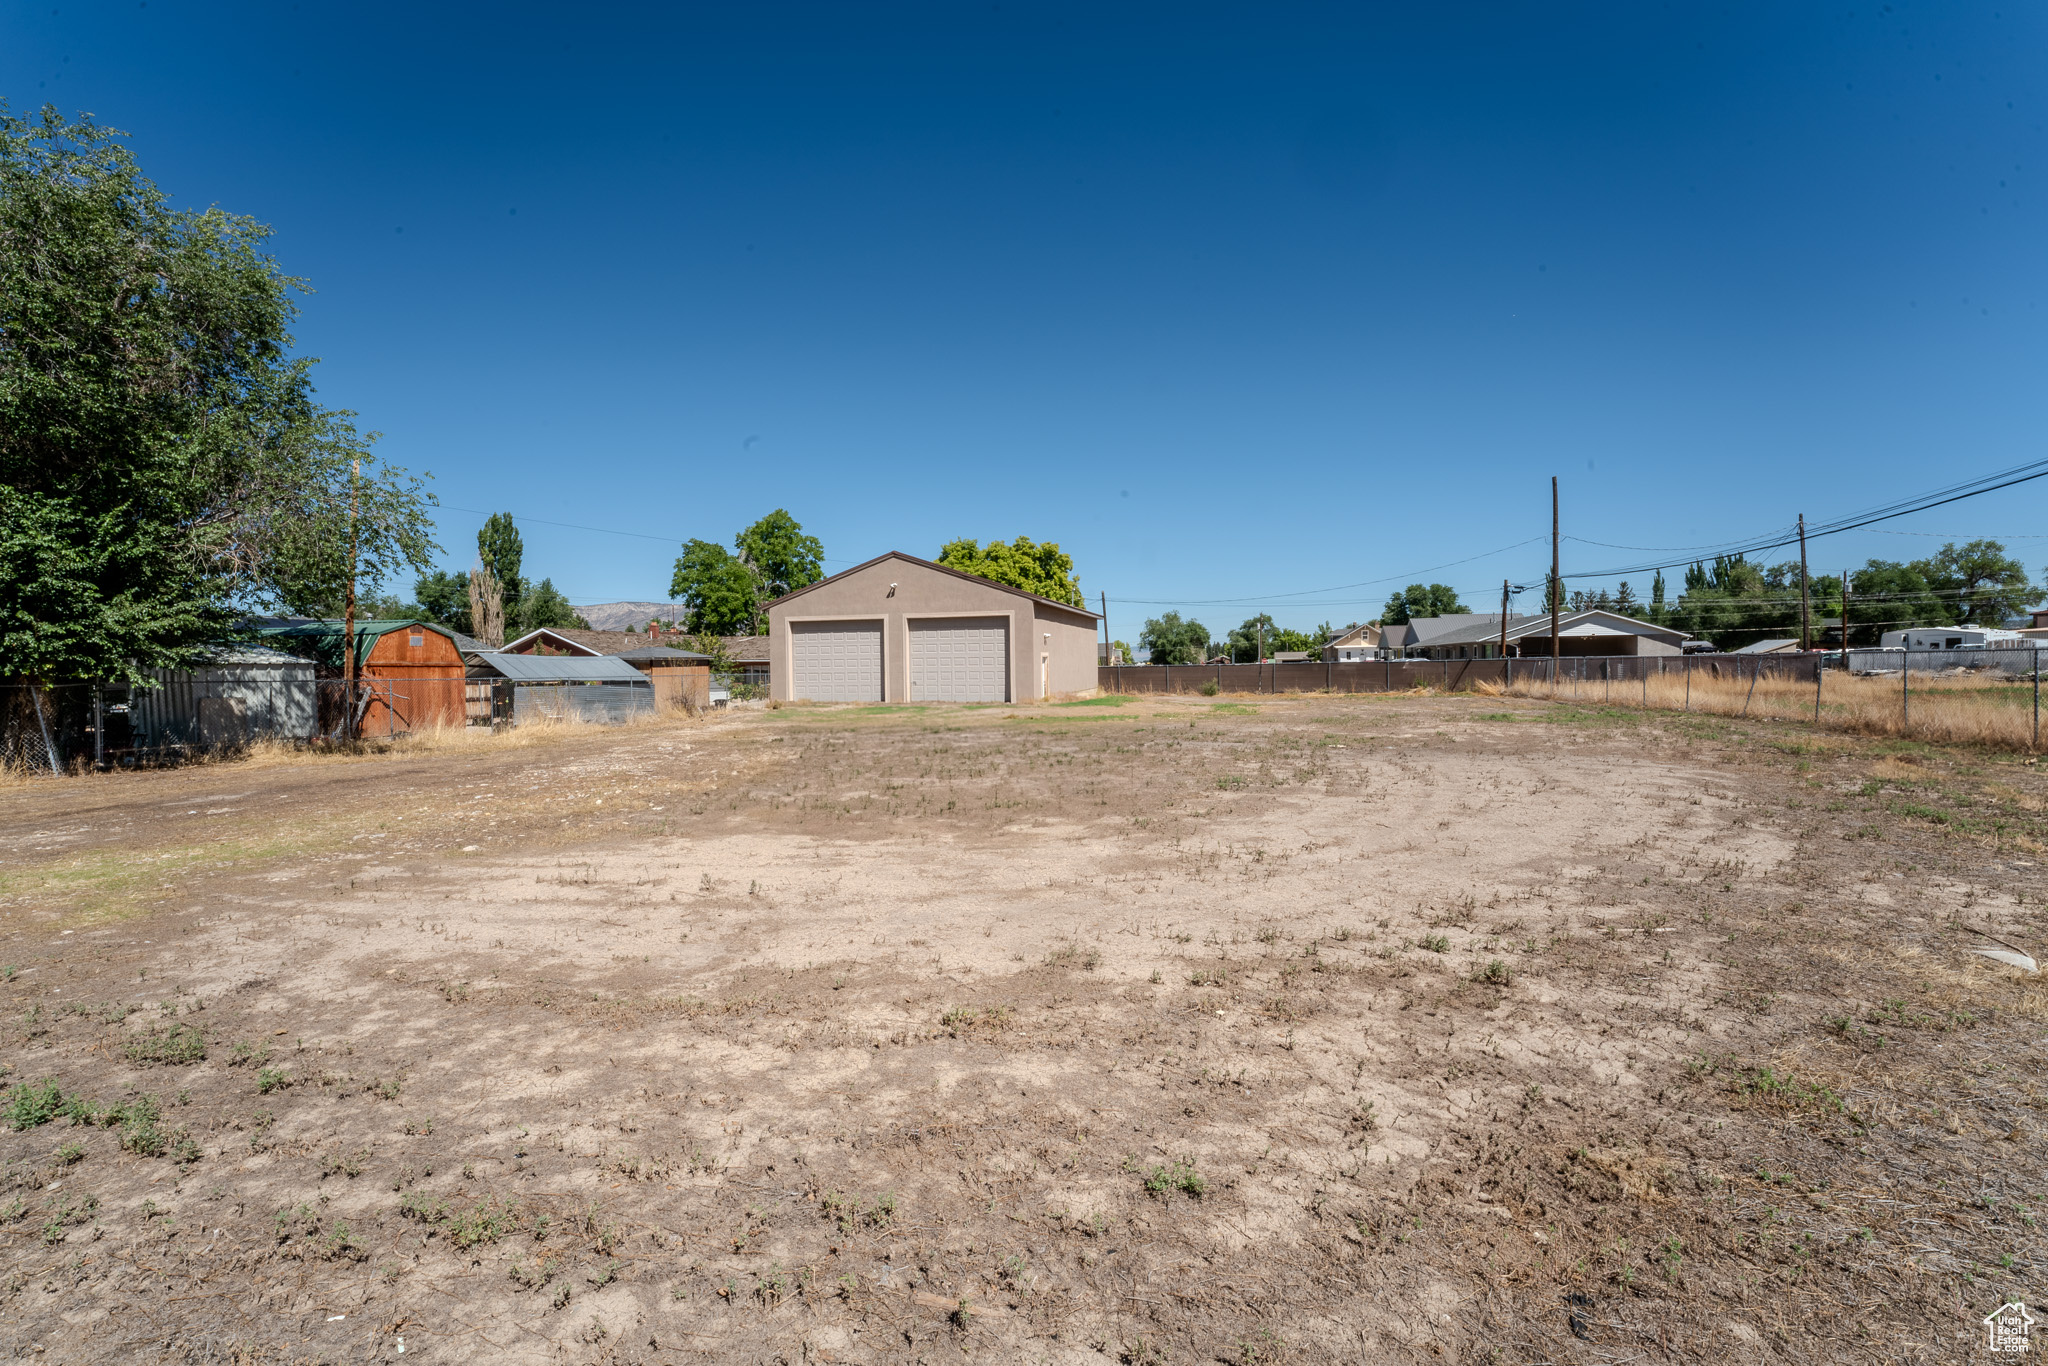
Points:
point(501, 548)
point(1122, 650)
point(1885, 595)
point(1421, 600)
point(1245, 640)
point(163, 467)
point(444, 598)
point(1173, 641)
point(720, 593)
point(781, 555)
point(543, 606)
point(1983, 585)
point(1036, 567)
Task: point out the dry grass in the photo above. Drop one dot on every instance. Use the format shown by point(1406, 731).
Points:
point(1943, 708)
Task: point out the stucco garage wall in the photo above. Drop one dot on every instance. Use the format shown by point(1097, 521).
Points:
point(1072, 647)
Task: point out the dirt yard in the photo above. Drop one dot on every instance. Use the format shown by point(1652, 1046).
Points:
point(1361, 1029)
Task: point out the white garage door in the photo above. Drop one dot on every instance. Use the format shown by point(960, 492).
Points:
point(960, 659)
point(837, 661)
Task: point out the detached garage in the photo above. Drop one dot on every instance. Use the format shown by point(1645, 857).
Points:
point(901, 629)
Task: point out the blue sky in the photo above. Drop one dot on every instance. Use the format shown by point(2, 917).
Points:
point(1231, 302)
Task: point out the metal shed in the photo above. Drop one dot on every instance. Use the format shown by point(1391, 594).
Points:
point(242, 693)
point(603, 690)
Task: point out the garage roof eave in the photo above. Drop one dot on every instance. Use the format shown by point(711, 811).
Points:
point(943, 569)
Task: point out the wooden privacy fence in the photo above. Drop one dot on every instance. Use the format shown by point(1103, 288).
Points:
point(1600, 672)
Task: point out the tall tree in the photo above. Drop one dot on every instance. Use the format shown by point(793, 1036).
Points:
point(1421, 600)
point(501, 549)
point(163, 466)
point(1984, 585)
point(779, 552)
point(719, 591)
point(542, 605)
point(1173, 641)
point(443, 597)
point(1036, 567)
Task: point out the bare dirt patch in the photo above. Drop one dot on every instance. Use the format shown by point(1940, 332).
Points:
point(1303, 1030)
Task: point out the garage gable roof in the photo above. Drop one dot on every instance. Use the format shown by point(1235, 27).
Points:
point(943, 569)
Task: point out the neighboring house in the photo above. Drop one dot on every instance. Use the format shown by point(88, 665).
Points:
point(1355, 646)
point(1288, 657)
point(411, 672)
point(1477, 635)
point(1768, 647)
point(902, 629)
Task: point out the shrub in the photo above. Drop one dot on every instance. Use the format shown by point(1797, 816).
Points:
point(1436, 943)
point(1496, 973)
point(1210, 689)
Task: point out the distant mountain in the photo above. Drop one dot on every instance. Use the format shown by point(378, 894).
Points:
point(625, 616)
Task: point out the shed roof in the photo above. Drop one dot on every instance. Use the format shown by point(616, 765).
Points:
point(1766, 647)
point(943, 569)
point(562, 668)
point(320, 639)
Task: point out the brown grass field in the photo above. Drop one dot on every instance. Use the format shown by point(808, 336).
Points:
point(1142, 1030)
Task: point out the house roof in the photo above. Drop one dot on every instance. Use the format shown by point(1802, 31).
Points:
point(1477, 627)
point(1353, 636)
point(943, 569)
point(321, 640)
point(1766, 647)
point(562, 668)
point(664, 653)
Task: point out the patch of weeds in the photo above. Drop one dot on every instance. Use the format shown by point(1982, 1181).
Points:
point(177, 1046)
point(140, 1131)
point(606, 1274)
point(420, 1127)
point(1209, 977)
point(1763, 1083)
point(1267, 934)
point(1495, 973)
point(1230, 782)
point(967, 1020)
point(483, 1223)
point(70, 1154)
point(34, 1103)
point(271, 1079)
point(539, 1274)
point(247, 1054)
point(428, 1209)
point(1208, 689)
point(1176, 1176)
point(1435, 943)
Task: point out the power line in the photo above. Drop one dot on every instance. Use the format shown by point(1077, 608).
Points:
point(1411, 575)
point(1953, 493)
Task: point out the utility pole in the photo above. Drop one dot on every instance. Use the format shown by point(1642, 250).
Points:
point(1105, 629)
point(1845, 621)
point(1556, 589)
point(1503, 618)
point(348, 618)
point(1805, 621)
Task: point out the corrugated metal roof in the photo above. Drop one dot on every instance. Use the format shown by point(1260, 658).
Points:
point(563, 668)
